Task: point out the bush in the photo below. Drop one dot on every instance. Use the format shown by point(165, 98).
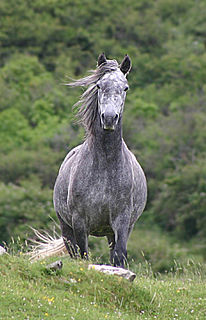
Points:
point(181, 202)
point(24, 206)
point(21, 164)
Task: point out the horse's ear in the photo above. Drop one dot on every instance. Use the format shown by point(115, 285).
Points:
point(126, 65)
point(101, 59)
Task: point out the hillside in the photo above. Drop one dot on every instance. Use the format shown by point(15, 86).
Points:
point(28, 291)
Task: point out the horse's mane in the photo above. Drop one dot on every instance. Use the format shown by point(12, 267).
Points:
point(87, 104)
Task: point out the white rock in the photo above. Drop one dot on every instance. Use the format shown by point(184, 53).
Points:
point(114, 270)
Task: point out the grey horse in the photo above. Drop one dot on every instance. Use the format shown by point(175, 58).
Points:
point(101, 189)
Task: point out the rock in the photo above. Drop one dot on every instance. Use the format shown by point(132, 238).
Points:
point(114, 270)
point(2, 250)
point(57, 265)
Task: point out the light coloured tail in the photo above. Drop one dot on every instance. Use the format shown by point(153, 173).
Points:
point(46, 246)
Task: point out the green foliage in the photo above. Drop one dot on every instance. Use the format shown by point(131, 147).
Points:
point(24, 206)
point(21, 164)
point(181, 201)
point(24, 79)
point(14, 129)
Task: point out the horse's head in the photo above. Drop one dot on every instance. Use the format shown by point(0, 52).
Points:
point(112, 89)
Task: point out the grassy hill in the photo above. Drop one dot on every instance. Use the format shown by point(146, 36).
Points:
point(29, 291)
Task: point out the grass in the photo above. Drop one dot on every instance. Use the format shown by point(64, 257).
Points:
point(29, 291)
point(151, 246)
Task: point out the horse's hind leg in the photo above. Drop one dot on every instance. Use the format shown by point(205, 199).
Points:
point(68, 237)
point(111, 242)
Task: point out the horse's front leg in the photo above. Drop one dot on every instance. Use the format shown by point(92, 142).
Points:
point(120, 248)
point(81, 235)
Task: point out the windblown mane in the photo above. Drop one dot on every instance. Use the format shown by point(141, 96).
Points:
point(87, 104)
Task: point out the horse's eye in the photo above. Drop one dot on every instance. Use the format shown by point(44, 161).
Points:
point(98, 87)
point(125, 89)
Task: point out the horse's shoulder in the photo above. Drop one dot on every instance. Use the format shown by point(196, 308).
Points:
point(72, 153)
point(135, 166)
point(130, 155)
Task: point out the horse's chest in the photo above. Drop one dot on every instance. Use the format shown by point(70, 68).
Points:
point(100, 189)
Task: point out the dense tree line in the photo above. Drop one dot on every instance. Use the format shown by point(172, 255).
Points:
point(164, 118)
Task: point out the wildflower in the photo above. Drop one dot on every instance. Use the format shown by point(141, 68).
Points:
point(81, 269)
point(50, 300)
point(46, 314)
point(180, 289)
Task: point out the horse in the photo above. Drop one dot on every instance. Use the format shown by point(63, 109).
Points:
point(100, 189)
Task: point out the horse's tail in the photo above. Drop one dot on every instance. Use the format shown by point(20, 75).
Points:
point(46, 246)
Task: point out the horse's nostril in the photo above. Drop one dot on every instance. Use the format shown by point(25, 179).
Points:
point(116, 117)
point(103, 116)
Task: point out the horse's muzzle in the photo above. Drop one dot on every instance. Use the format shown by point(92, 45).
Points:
point(109, 120)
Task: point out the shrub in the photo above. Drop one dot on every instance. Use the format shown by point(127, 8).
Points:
point(24, 206)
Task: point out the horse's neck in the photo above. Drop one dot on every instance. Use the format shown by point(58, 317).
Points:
point(107, 143)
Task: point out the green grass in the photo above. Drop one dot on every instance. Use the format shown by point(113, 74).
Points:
point(150, 246)
point(28, 291)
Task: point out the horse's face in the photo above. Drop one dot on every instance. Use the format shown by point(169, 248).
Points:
point(112, 89)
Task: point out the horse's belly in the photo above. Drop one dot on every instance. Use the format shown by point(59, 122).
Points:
point(95, 208)
point(101, 231)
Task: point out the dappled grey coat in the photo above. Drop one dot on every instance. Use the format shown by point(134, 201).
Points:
point(101, 189)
